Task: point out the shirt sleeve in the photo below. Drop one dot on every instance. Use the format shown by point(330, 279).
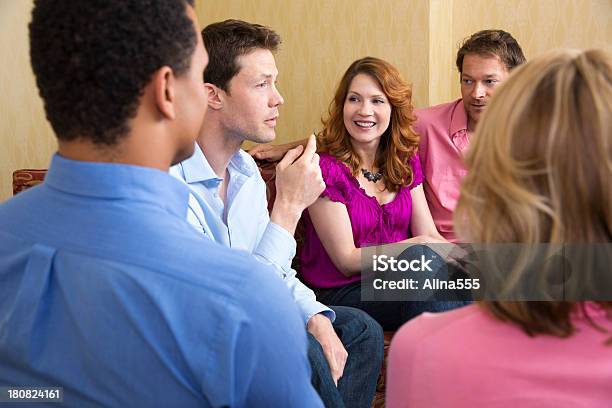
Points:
point(334, 179)
point(276, 248)
point(417, 171)
point(271, 360)
point(421, 129)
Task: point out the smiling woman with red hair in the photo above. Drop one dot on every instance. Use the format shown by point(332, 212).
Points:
point(398, 142)
point(373, 194)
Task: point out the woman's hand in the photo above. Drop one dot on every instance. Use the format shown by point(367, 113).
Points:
point(271, 152)
point(447, 250)
point(426, 239)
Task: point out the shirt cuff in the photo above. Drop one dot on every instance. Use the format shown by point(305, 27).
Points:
point(317, 308)
point(276, 245)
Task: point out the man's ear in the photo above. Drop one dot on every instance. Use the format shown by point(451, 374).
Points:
point(164, 88)
point(216, 96)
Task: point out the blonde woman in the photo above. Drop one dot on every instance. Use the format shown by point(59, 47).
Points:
point(540, 171)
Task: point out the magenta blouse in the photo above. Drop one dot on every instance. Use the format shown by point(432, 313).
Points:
point(371, 222)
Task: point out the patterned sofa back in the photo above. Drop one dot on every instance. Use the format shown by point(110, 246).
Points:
point(26, 178)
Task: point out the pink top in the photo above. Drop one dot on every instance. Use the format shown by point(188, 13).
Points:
point(444, 139)
point(466, 358)
point(371, 222)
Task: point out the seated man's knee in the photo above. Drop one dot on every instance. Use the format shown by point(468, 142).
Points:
point(354, 324)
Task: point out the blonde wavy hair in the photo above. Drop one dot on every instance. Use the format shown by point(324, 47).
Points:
point(398, 143)
point(540, 169)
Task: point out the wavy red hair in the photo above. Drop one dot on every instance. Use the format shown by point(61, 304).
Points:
point(398, 143)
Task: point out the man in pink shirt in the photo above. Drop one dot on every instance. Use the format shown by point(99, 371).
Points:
point(484, 61)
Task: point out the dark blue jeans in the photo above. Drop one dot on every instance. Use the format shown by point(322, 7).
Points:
point(391, 314)
point(362, 338)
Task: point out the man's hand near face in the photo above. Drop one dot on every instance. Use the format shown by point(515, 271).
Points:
point(298, 184)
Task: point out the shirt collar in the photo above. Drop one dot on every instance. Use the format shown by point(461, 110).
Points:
point(197, 169)
point(118, 181)
point(459, 119)
point(243, 163)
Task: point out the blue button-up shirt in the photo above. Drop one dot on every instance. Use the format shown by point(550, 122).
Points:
point(106, 291)
point(243, 222)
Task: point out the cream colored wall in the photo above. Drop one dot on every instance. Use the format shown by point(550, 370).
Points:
point(320, 39)
point(441, 51)
point(421, 37)
point(26, 139)
point(538, 25)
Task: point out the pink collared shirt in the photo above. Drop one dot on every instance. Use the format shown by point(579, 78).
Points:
point(444, 139)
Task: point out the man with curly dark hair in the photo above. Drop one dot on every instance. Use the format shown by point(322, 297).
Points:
point(106, 290)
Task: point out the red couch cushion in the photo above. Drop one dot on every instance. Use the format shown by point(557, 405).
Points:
point(26, 178)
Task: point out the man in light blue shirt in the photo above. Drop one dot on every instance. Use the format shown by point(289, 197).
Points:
point(105, 289)
point(229, 204)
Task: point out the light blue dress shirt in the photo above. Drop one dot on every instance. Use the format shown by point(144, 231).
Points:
point(106, 291)
point(244, 223)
